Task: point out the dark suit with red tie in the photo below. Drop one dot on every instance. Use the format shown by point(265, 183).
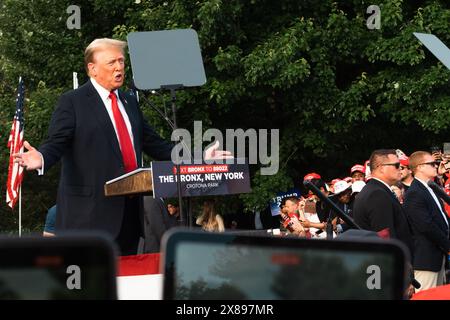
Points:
point(82, 135)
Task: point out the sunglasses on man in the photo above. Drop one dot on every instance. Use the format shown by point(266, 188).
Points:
point(396, 165)
point(431, 163)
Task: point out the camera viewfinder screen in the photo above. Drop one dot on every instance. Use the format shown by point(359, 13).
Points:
point(219, 271)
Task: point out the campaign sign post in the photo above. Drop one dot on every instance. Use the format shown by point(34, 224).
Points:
point(200, 179)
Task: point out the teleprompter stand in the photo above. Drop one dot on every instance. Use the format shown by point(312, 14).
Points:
point(168, 60)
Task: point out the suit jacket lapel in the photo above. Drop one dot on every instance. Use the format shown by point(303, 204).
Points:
point(431, 200)
point(442, 208)
point(441, 203)
point(98, 108)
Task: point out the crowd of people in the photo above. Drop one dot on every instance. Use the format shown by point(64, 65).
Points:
point(389, 195)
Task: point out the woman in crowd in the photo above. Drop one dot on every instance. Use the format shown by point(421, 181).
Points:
point(210, 219)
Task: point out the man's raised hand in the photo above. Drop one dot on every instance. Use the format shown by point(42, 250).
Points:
point(212, 153)
point(30, 160)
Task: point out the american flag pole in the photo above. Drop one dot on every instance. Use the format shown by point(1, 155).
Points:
point(20, 211)
point(20, 187)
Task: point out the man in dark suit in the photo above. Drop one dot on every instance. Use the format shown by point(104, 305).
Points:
point(429, 222)
point(99, 133)
point(376, 208)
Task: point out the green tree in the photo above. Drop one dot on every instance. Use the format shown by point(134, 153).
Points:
point(334, 88)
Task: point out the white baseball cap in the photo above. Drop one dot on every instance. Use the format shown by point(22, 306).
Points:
point(341, 186)
point(357, 186)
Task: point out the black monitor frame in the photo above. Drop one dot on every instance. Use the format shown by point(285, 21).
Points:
point(94, 254)
point(177, 236)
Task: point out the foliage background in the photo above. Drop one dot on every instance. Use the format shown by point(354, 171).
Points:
point(334, 88)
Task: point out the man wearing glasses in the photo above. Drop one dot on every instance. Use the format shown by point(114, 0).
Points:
point(376, 208)
point(429, 222)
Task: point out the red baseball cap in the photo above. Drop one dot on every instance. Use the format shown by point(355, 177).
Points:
point(311, 176)
point(404, 161)
point(358, 167)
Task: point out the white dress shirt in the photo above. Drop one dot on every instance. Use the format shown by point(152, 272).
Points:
point(104, 95)
point(387, 186)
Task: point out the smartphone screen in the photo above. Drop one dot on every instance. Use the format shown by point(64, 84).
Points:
point(446, 149)
point(435, 149)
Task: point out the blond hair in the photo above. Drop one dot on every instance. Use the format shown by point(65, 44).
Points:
point(210, 219)
point(417, 158)
point(99, 44)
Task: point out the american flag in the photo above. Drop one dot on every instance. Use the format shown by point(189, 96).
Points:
point(15, 145)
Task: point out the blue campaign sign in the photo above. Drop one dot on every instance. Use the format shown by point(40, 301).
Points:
point(200, 179)
point(275, 202)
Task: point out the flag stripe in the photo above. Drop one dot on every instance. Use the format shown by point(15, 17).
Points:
point(15, 145)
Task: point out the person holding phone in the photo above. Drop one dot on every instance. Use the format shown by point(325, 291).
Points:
point(443, 162)
point(443, 177)
point(292, 216)
point(446, 156)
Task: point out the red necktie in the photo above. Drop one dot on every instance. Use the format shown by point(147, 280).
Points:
point(128, 154)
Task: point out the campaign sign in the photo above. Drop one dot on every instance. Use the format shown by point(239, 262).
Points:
point(200, 179)
point(275, 202)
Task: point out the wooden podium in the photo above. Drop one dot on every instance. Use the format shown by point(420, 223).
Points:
point(138, 181)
